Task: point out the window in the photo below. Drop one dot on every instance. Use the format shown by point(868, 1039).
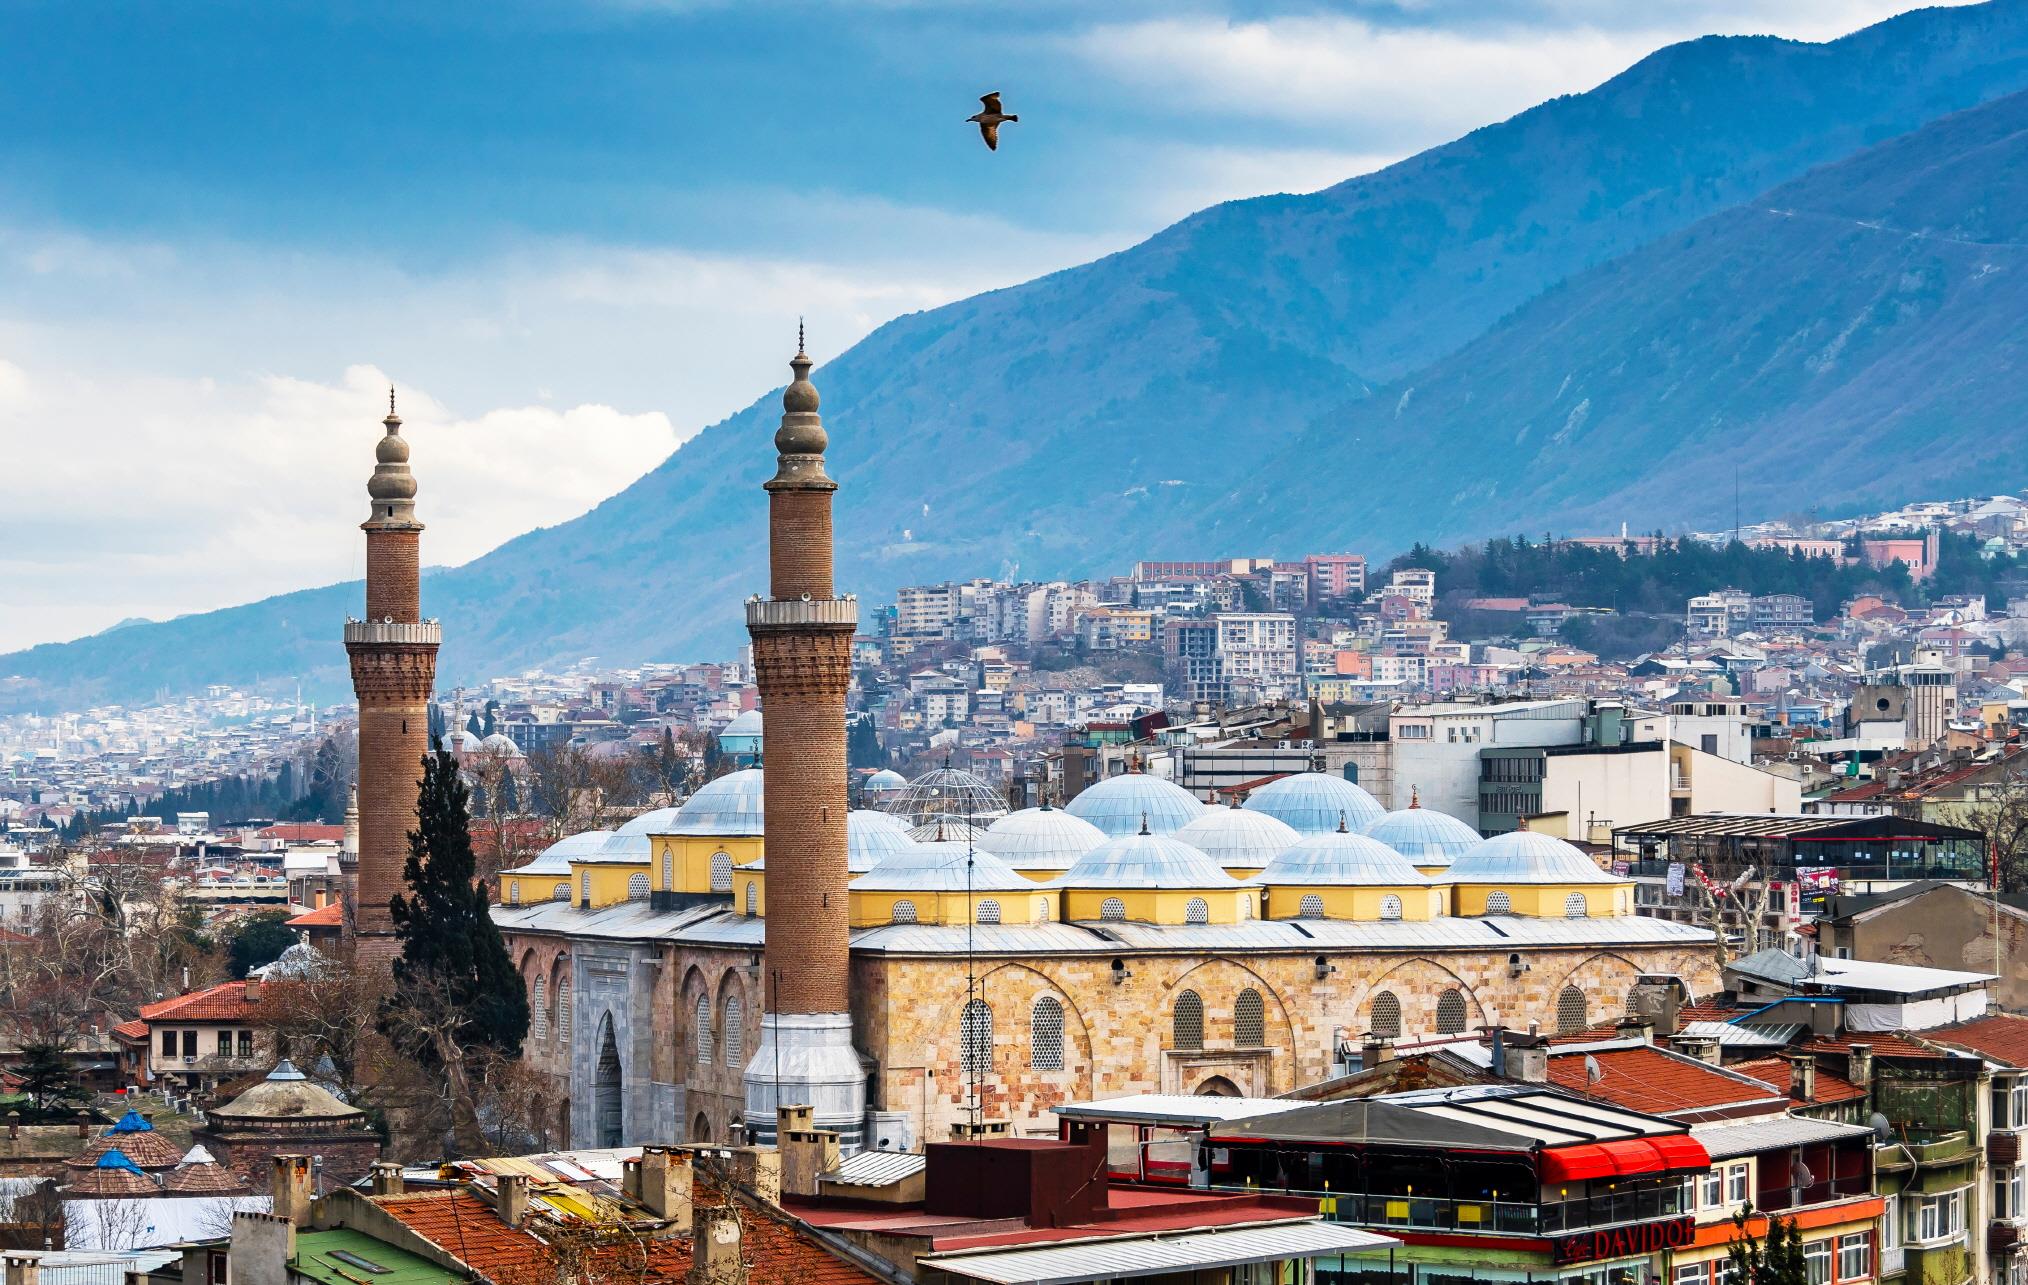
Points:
point(584, 887)
point(1112, 908)
point(721, 872)
point(225, 1043)
point(1249, 1020)
point(1574, 906)
point(538, 1017)
point(989, 912)
point(246, 1044)
point(668, 868)
point(190, 1043)
point(168, 1044)
point(514, 893)
point(1310, 907)
point(733, 1031)
point(1735, 1184)
point(1039, 911)
point(560, 892)
point(637, 887)
point(1708, 742)
point(1390, 907)
point(1817, 1262)
point(1187, 1031)
point(902, 913)
point(1938, 1218)
point(975, 1038)
point(1499, 903)
point(2007, 1193)
point(1712, 1193)
point(1045, 1035)
point(1692, 1274)
point(1450, 1017)
point(752, 896)
point(1197, 911)
point(1855, 1256)
point(1386, 1019)
point(702, 1020)
point(2010, 1104)
point(1890, 1222)
point(1572, 1014)
point(563, 1008)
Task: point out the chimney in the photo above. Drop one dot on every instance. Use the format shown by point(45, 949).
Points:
point(387, 1180)
point(714, 1251)
point(1859, 1066)
point(1802, 1077)
point(253, 990)
point(665, 1179)
point(630, 1177)
point(1641, 1030)
point(1529, 1063)
point(1702, 1047)
point(262, 1247)
point(1374, 1051)
point(84, 1125)
point(289, 1190)
point(807, 1152)
point(13, 1125)
point(510, 1198)
point(20, 1269)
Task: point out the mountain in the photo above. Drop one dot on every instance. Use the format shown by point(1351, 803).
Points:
point(1852, 337)
point(1106, 412)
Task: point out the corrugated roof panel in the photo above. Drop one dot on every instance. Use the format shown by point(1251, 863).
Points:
point(1727, 1140)
point(1176, 1108)
point(1063, 1263)
point(876, 1168)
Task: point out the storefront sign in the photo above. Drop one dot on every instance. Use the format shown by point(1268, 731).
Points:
point(1675, 883)
point(1622, 1242)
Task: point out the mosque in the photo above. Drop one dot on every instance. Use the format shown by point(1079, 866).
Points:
point(936, 963)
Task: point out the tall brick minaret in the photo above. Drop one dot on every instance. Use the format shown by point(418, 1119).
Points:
point(802, 646)
point(394, 664)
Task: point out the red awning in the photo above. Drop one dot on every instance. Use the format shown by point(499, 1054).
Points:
point(1624, 1158)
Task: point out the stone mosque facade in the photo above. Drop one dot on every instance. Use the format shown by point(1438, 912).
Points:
point(761, 944)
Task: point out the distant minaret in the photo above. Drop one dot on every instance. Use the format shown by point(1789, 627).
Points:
point(802, 649)
point(394, 663)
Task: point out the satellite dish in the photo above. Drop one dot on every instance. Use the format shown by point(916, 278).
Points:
point(1881, 1128)
point(1593, 1073)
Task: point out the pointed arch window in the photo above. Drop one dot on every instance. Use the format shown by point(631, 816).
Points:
point(1386, 1019)
point(1450, 1015)
point(1249, 1020)
point(752, 896)
point(563, 1007)
point(1187, 1031)
point(514, 892)
point(668, 868)
point(975, 1038)
point(1039, 911)
point(1575, 907)
point(538, 1009)
point(1045, 1035)
point(734, 1031)
point(702, 1020)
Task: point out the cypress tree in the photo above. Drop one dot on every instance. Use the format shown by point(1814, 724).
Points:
point(449, 942)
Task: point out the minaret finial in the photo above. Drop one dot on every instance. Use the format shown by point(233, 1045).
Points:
point(1341, 822)
point(1144, 823)
point(390, 399)
point(1414, 797)
point(800, 346)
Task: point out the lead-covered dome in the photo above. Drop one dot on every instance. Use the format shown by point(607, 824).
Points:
point(1154, 861)
point(1525, 857)
point(870, 838)
point(1238, 839)
point(1341, 860)
point(1041, 839)
point(940, 867)
point(1316, 803)
point(1427, 838)
point(730, 805)
point(556, 858)
point(1123, 805)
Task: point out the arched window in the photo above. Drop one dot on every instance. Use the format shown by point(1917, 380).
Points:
point(975, 1038)
point(1039, 912)
point(637, 887)
point(563, 1008)
point(1311, 906)
point(1574, 906)
point(1189, 1021)
point(560, 892)
point(903, 912)
point(1451, 1012)
point(721, 872)
point(989, 912)
point(1045, 1035)
point(1197, 911)
point(1572, 1014)
point(753, 896)
point(1390, 907)
point(1386, 1019)
point(668, 868)
point(514, 893)
point(703, 1022)
point(1249, 1020)
point(1112, 908)
point(584, 887)
point(538, 1009)
point(1499, 903)
point(733, 1031)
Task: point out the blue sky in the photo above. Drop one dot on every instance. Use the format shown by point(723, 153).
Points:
point(576, 233)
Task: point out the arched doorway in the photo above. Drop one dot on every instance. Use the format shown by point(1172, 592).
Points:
point(1218, 1087)
point(606, 1087)
point(700, 1128)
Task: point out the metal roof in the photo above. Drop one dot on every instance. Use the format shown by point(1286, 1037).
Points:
point(1506, 1117)
point(1424, 835)
point(1724, 1141)
point(1785, 825)
point(1341, 859)
point(1238, 836)
point(876, 1168)
point(1526, 857)
point(556, 858)
point(1828, 973)
point(941, 867)
point(1176, 1108)
point(1737, 1035)
point(1145, 861)
point(1119, 805)
point(1042, 838)
point(1316, 803)
point(1161, 1254)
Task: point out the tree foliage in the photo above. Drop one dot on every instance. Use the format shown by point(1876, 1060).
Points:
point(45, 1076)
point(258, 940)
point(1773, 1259)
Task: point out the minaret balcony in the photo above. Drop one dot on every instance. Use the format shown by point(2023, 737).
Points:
point(788, 613)
point(411, 633)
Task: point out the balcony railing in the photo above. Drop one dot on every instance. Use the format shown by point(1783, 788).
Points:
point(394, 631)
point(1490, 1217)
point(1821, 1193)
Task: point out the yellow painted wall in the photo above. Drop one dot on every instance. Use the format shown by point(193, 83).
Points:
point(1285, 901)
point(872, 909)
point(529, 890)
point(1546, 901)
point(609, 880)
point(683, 861)
point(1164, 905)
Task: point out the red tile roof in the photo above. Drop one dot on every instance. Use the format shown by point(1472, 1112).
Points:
point(134, 1030)
point(331, 916)
point(1654, 1081)
point(1883, 1044)
point(305, 833)
point(225, 1002)
point(467, 1226)
point(2000, 1037)
point(1774, 1072)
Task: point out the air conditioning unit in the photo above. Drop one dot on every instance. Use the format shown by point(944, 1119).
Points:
point(189, 1059)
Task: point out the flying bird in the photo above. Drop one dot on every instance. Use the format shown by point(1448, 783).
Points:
point(989, 121)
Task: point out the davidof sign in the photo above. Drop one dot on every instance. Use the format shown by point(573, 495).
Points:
point(1623, 1242)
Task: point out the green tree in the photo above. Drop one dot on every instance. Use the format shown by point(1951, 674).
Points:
point(1773, 1259)
point(45, 1076)
point(258, 940)
point(452, 956)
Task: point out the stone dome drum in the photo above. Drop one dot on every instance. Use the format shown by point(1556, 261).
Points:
point(1344, 860)
point(1122, 805)
point(1525, 857)
point(1042, 838)
point(1316, 803)
point(1424, 836)
point(1238, 839)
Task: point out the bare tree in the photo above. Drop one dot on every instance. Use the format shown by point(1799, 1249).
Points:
point(1998, 810)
